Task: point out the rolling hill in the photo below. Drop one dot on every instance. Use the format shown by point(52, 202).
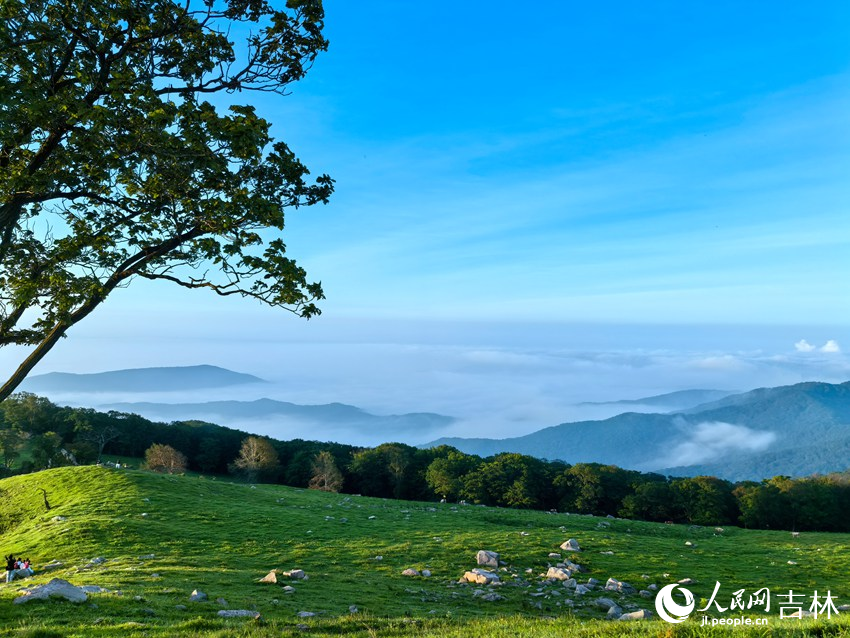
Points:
point(143, 542)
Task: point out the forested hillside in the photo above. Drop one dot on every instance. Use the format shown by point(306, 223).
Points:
point(36, 434)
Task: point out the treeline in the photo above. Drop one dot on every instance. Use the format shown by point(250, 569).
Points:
point(36, 434)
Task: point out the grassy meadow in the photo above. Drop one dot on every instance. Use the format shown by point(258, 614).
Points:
point(164, 536)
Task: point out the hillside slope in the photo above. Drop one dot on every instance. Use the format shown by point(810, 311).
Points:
point(796, 430)
point(162, 536)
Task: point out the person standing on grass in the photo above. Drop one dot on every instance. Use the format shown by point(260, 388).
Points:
point(10, 568)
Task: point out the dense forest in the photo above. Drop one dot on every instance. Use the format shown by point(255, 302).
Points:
point(36, 434)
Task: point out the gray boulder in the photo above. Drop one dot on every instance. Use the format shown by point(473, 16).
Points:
point(614, 613)
point(570, 546)
point(56, 588)
point(197, 596)
point(238, 613)
point(604, 603)
point(486, 558)
point(617, 585)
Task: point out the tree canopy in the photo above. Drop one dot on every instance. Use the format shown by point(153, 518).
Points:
point(114, 165)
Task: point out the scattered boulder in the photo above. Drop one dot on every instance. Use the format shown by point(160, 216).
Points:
point(646, 594)
point(640, 614)
point(238, 613)
point(221, 601)
point(180, 607)
point(581, 590)
point(617, 585)
point(492, 597)
point(687, 581)
point(306, 614)
point(558, 573)
point(604, 603)
point(56, 588)
point(288, 589)
point(295, 574)
point(59, 519)
point(570, 546)
point(554, 555)
point(480, 577)
point(614, 612)
point(352, 609)
point(487, 558)
point(271, 577)
point(410, 572)
point(94, 589)
point(147, 557)
point(54, 564)
point(570, 583)
point(426, 573)
point(197, 596)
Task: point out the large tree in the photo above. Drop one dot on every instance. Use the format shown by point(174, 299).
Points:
point(113, 164)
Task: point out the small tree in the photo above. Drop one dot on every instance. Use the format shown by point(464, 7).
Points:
point(326, 474)
point(257, 456)
point(164, 458)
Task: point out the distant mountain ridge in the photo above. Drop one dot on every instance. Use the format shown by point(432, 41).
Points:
point(139, 380)
point(796, 430)
point(678, 400)
point(336, 415)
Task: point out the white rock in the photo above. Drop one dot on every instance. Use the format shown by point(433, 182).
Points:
point(480, 577)
point(558, 573)
point(641, 614)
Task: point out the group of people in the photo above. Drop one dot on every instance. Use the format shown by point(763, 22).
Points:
point(17, 567)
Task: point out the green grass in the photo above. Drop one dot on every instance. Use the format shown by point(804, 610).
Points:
point(222, 537)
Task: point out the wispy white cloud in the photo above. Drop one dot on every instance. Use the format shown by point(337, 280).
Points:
point(709, 441)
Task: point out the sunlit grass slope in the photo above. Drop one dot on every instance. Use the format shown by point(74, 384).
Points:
point(222, 538)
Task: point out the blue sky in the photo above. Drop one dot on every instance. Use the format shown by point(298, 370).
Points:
point(667, 163)
point(542, 205)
